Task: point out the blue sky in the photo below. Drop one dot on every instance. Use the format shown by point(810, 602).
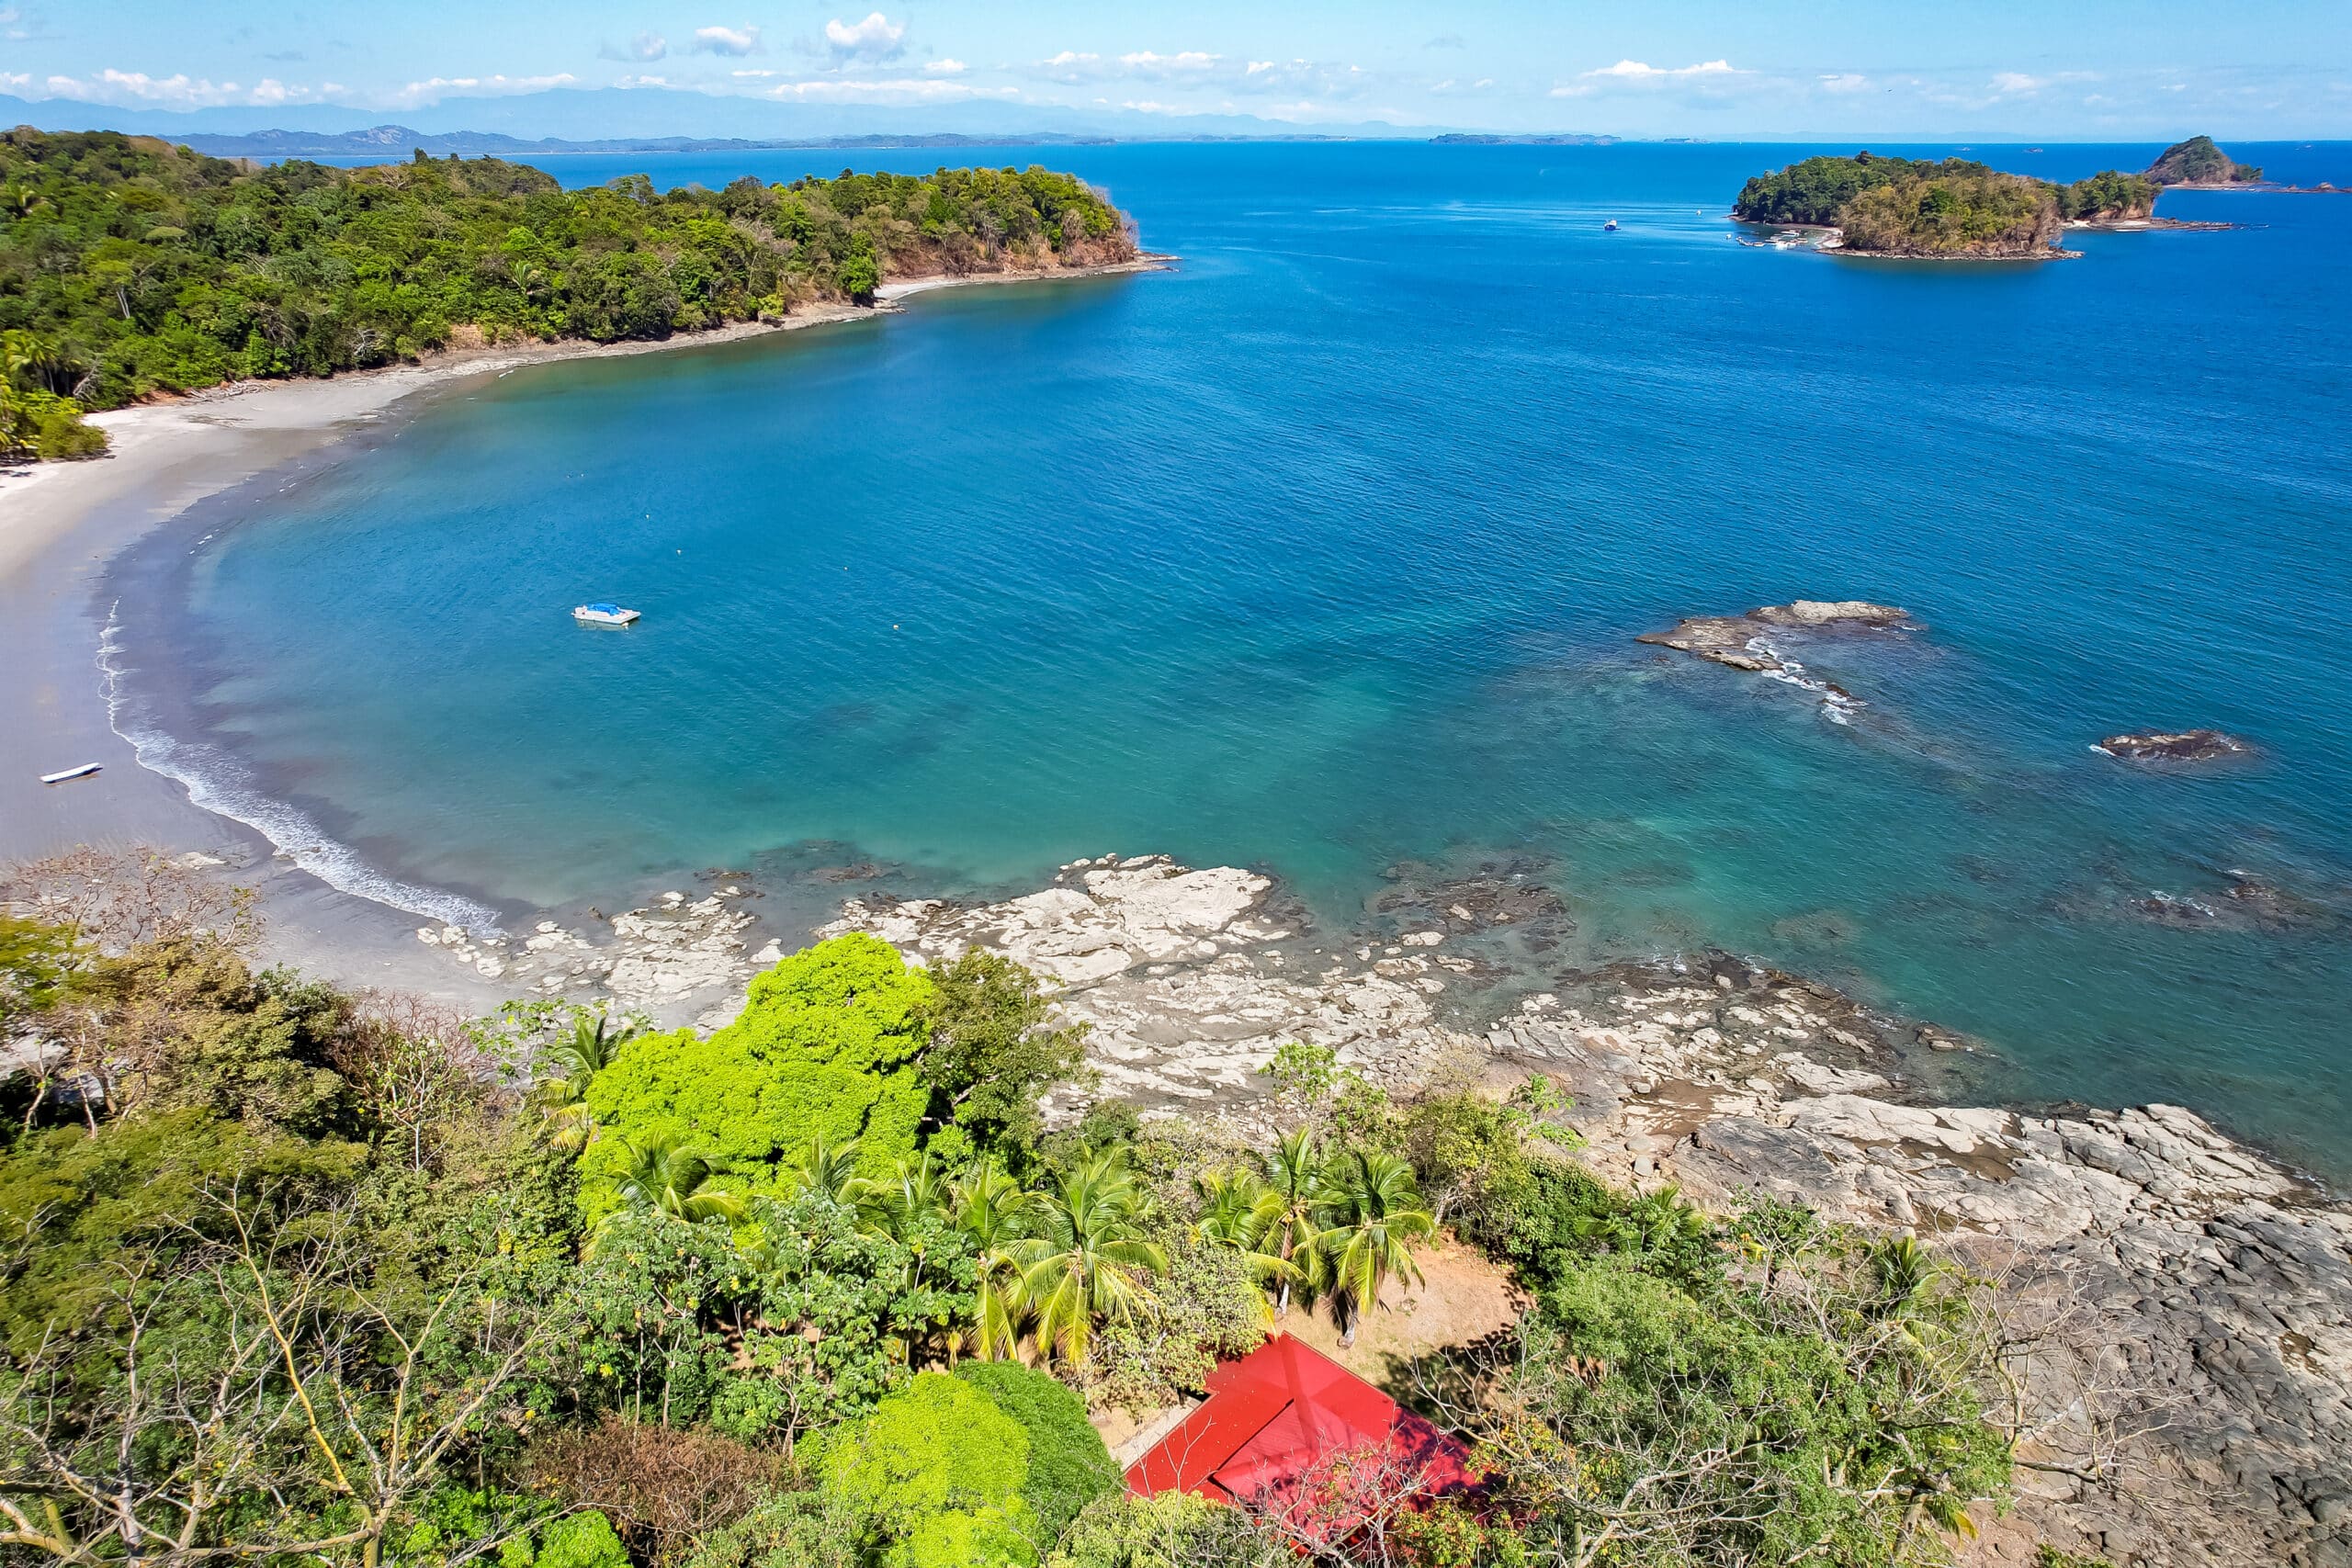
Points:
point(2080, 69)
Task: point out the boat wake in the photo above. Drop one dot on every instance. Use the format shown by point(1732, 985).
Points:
point(217, 783)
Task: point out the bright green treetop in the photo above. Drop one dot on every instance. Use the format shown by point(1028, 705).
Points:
point(826, 1048)
point(939, 1469)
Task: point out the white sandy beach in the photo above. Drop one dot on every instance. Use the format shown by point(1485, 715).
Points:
point(61, 525)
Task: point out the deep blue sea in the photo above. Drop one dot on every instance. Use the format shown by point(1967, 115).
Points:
point(1326, 551)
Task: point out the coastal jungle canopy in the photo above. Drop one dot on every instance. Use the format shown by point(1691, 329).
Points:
point(359, 1283)
point(129, 266)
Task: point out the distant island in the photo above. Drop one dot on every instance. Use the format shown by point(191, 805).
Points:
point(1958, 209)
point(2196, 163)
point(129, 266)
point(1482, 138)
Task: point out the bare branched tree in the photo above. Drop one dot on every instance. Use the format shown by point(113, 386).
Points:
point(2061, 1380)
point(416, 1064)
point(1348, 1507)
point(118, 898)
point(666, 1490)
point(261, 1398)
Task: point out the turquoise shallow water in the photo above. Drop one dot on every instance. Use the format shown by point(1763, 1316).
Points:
point(1325, 552)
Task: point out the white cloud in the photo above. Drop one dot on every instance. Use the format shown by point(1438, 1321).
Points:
point(179, 91)
point(1845, 82)
point(1256, 66)
point(434, 89)
point(893, 90)
point(945, 68)
point(1634, 71)
point(1072, 67)
point(2016, 84)
point(735, 42)
point(1154, 67)
point(875, 39)
point(1638, 74)
point(643, 47)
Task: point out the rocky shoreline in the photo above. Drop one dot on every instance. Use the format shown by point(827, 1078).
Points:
point(2194, 1300)
point(2189, 1301)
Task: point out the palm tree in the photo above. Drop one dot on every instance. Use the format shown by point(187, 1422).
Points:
point(1286, 1213)
point(826, 1170)
point(1902, 1268)
point(1652, 1224)
point(1369, 1208)
point(663, 1177)
point(1233, 1214)
point(994, 1211)
point(915, 1189)
point(573, 1063)
point(1088, 1256)
point(531, 280)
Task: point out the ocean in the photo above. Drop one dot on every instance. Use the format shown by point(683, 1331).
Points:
point(1325, 552)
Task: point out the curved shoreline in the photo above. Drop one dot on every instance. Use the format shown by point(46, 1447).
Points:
point(63, 526)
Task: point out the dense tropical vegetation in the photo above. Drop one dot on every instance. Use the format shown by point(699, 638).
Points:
point(2199, 161)
point(129, 266)
point(1912, 207)
point(298, 1276)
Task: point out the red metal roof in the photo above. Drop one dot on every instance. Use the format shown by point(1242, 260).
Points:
point(1271, 1415)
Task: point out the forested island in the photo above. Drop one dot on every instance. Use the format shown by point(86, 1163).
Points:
point(131, 267)
point(2198, 162)
point(1907, 207)
point(1958, 208)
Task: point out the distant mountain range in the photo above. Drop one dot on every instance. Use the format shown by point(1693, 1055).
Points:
point(400, 142)
point(612, 119)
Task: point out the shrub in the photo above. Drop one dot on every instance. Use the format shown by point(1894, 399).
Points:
point(580, 1541)
point(1068, 1466)
point(938, 1470)
point(41, 424)
point(1174, 1530)
point(1210, 1307)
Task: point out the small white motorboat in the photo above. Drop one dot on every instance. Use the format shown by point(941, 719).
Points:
point(1609, 227)
point(602, 614)
point(84, 772)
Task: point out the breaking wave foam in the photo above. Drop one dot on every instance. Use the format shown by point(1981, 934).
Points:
point(216, 782)
point(1837, 705)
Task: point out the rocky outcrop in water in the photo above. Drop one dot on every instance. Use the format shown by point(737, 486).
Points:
point(2190, 1300)
point(2193, 1300)
point(2181, 746)
point(1742, 641)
